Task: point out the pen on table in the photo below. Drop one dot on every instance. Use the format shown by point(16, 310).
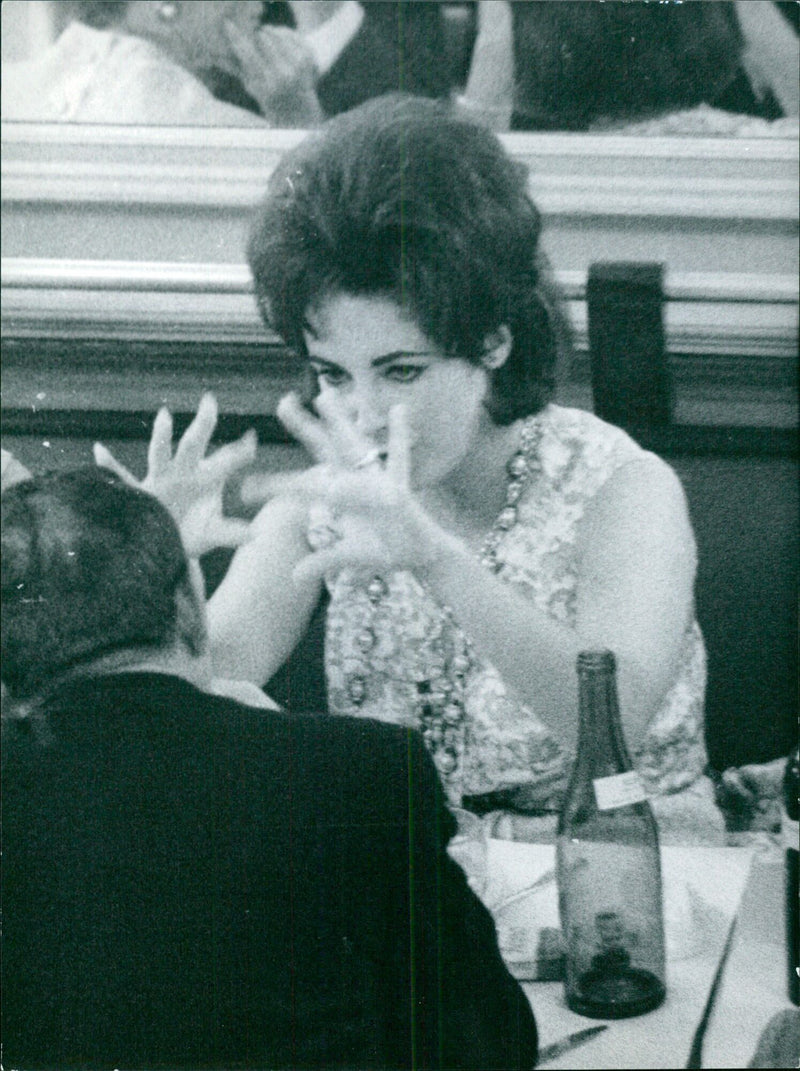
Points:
point(571, 1041)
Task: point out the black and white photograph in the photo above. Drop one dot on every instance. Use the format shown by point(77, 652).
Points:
point(400, 535)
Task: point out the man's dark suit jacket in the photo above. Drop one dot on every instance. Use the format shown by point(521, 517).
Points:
point(192, 883)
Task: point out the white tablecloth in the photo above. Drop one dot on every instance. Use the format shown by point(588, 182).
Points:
point(703, 890)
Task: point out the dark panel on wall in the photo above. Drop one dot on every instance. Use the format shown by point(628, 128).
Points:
point(745, 514)
point(630, 372)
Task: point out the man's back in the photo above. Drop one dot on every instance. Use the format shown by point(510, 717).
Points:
point(192, 883)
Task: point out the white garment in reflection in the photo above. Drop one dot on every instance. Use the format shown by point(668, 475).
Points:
point(103, 76)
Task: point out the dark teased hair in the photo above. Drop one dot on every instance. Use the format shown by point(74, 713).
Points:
point(90, 566)
point(580, 62)
point(402, 196)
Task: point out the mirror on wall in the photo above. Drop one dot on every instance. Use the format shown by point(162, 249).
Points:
point(712, 68)
point(134, 231)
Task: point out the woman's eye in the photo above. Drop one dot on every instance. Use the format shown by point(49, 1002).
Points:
point(404, 373)
point(333, 377)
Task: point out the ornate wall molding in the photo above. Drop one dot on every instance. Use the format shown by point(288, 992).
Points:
point(685, 177)
point(131, 240)
point(735, 314)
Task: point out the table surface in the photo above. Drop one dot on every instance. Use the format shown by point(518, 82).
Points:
point(754, 984)
point(752, 988)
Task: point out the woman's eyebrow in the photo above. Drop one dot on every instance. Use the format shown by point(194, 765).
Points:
point(376, 362)
point(396, 355)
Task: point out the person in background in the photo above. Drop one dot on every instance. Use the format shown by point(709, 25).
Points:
point(636, 67)
point(150, 62)
point(189, 882)
point(473, 535)
point(388, 46)
point(363, 50)
point(586, 66)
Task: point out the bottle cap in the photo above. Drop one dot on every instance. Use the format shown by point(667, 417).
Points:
point(597, 659)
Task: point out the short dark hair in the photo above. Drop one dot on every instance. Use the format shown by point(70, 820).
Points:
point(578, 63)
point(90, 566)
point(405, 197)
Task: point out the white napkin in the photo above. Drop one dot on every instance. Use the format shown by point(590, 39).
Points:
point(516, 881)
point(701, 893)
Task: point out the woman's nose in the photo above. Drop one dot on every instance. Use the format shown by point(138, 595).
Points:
point(368, 416)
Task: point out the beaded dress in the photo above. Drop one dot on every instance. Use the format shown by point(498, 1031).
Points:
point(393, 653)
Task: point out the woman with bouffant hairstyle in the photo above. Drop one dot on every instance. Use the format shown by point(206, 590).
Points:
point(399, 197)
point(473, 535)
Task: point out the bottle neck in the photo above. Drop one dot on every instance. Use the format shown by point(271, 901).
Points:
point(601, 745)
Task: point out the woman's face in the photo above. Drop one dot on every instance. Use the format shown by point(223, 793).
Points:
point(368, 353)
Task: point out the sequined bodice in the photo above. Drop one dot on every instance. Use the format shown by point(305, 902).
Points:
point(394, 654)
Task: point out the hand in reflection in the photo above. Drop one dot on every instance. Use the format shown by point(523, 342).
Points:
point(188, 483)
point(277, 69)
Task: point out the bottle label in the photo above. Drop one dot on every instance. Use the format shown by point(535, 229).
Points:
point(619, 790)
point(790, 833)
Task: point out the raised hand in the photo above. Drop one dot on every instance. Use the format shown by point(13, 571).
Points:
point(377, 525)
point(277, 69)
point(188, 483)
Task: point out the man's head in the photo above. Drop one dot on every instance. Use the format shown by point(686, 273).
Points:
point(91, 568)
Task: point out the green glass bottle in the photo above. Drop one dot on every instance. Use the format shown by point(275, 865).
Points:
point(608, 864)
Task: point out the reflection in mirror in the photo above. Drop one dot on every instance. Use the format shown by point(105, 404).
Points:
point(712, 68)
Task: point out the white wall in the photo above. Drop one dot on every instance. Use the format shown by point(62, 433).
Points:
point(28, 27)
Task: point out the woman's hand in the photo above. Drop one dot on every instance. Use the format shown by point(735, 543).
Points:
point(190, 484)
point(377, 524)
point(749, 796)
point(277, 69)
